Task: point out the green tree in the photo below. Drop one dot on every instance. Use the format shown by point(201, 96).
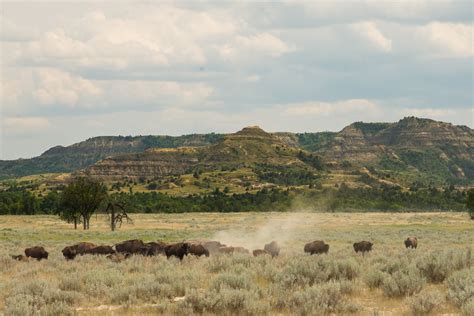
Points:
point(80, 199)
point(470, 203)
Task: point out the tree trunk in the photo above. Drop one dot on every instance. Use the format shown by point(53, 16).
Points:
point(112, 218)
point(75, 222)
point(88, 222)
point(84, 223)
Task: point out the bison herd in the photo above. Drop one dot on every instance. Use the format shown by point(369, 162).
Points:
point(125, 249)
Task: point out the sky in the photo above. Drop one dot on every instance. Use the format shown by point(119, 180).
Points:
point(72, 70)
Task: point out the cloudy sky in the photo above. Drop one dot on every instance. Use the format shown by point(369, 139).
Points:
point(72, 70)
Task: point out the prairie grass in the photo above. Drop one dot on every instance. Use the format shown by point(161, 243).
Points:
point(390, 279)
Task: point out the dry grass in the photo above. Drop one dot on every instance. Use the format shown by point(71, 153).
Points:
point(401, 281)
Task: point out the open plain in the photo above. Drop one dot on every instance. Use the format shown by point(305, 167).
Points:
point(435, 278)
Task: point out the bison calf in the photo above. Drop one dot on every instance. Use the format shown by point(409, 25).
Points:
point(36, 252)
point(19, 258)
point(260, 252)
point(363, 246)
point(411, 242)
point(118, 256)
point(316, 247)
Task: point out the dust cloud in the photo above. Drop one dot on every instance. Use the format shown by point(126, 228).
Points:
point(285, 228)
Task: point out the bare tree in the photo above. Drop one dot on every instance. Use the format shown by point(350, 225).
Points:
point(116, 210)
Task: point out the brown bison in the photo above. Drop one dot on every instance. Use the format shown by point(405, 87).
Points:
point(134, 246)
point(178, 250)
point(37, 252)
point(272, 248)
point(198, 250)
point(411, 242)
point(100, 250)
point(316, 247)
point(260, 252)
point(154, 248)
point(363, 246)
point(70, 252)
point(19, 258)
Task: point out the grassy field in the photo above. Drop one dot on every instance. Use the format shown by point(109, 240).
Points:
point(436, 278)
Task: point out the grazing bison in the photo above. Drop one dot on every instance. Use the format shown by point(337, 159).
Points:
point(198, 250)
point(134, 246)
point(70, 252)
point(118, 256)
point(272, 248)
point(363, 246)
point(316, 247)
point(411, 242)
point(178, 250)
point(155, 248)
point(20, 258)
point(100, 250)
point(260, 252)
point(36, 252)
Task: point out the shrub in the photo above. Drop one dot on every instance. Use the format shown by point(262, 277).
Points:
point(343, 269)
point(324, 298)
point(468, 308)
point(425, 302)
point(437, 266)
point(461, 286)
point(374, 278)
point(230, 280)
point(226, 301)
point(302, 271)
point(402, 283)
point(70, 283)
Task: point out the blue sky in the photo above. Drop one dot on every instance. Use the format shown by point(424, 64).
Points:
point(73, 70)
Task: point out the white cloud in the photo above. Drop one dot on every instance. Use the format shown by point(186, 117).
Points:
point(263, 44)
point(56, 87)
point(25, 124)
point(428, 112)
point(317, 108)
point(371, 33)
point(448, 39)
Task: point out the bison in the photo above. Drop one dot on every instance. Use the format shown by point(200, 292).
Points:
point(272, 248)
point(70, 252)
point(411, 242)
point(178, 250)
point(100, 250)
point(134, 246)
point(37, 252)
point(212, 246)
point(198, 250)
point(19, 258)
point(260, 252)
point(363, 246)
point(154, 248)
point(316, 247)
